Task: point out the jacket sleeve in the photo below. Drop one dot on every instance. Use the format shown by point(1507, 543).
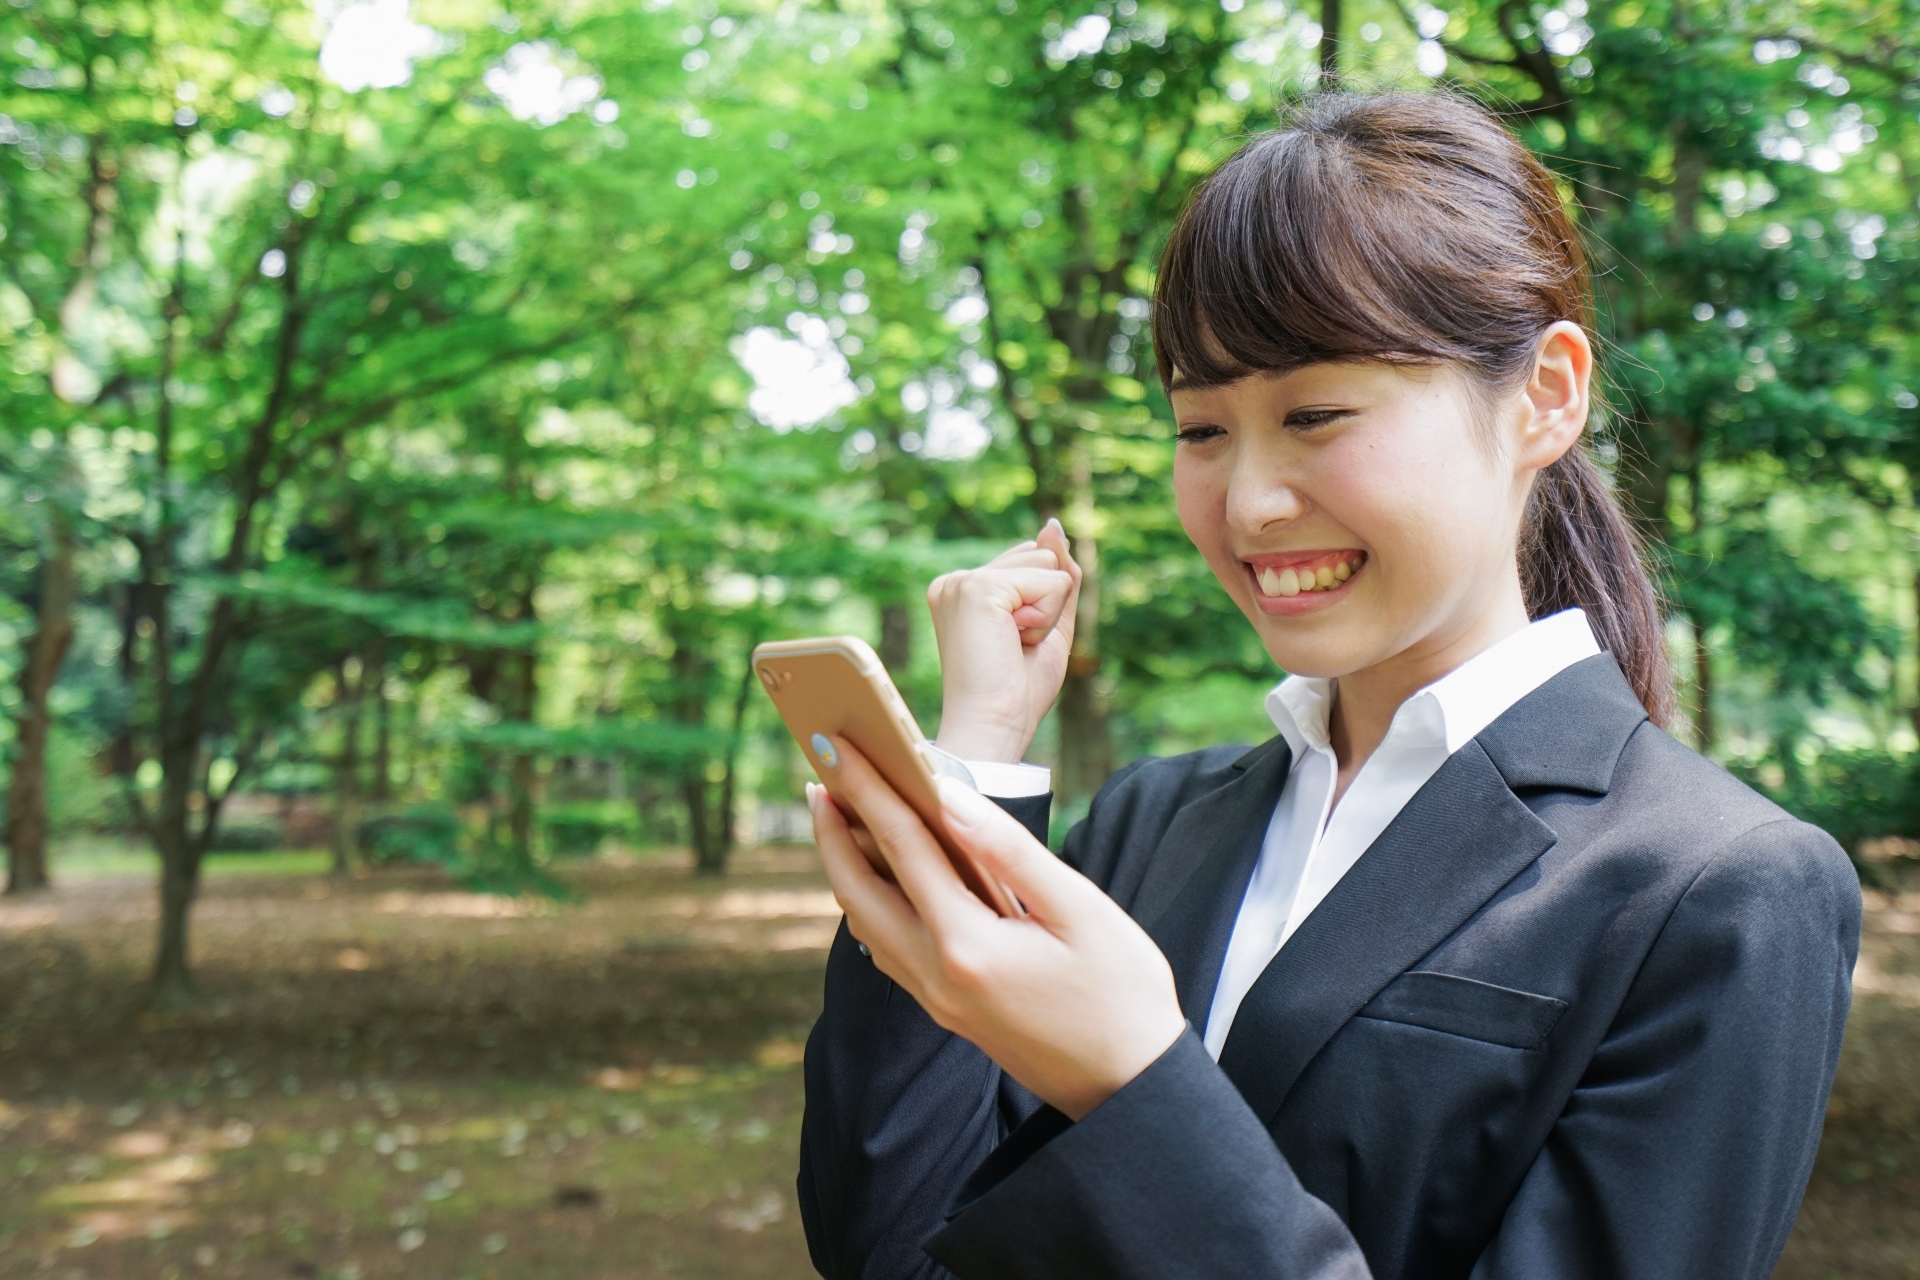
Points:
point(1681, 1155)
point(898, 1113)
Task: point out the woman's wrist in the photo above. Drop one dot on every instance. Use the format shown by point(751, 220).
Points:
point(1129, 1062)
point(983, 738)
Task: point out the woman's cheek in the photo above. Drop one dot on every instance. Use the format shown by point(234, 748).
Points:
point(1200, 501)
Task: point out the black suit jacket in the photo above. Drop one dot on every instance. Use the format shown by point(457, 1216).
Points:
point(1575, 1013)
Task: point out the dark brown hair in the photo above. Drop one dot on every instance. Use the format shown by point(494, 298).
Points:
point(1411, 228)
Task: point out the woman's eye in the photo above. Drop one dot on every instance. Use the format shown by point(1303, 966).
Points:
point(1199, 435)
point(1308, 419)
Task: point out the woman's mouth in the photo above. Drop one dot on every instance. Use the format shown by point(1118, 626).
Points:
point(1282, 586)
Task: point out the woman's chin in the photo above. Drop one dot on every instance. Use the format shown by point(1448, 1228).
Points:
point(1323, 642)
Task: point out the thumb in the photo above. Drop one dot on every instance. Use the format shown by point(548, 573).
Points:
point(1006, 851)
point(1053, 537)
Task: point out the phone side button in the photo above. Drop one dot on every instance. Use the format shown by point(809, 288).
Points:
point(947, 765)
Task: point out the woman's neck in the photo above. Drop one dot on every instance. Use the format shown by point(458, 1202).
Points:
point(1365, 701)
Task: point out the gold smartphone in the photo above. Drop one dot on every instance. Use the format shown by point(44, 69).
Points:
point(836, 686)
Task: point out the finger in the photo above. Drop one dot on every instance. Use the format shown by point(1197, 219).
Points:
point(1004, 587)
point(1027, 556)
point(920, 865)
point(1053, 538)
point(834, 829)
point(1036, 597)
point(863, 839)
point(876, 910)
point(1005, 851)
point(1039, 614)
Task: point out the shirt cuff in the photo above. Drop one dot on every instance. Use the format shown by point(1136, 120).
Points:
point(1010, 781)
point(993, 778)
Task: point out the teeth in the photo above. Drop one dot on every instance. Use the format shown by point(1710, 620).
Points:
point(1291, 582)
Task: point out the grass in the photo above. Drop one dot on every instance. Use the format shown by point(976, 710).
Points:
point(90, 857)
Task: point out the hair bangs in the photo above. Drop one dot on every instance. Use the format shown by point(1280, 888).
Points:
point(1360, 231)
point(1270, 269)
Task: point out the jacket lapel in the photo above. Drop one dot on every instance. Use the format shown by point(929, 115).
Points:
point(1461, 838)
point(1192, 891)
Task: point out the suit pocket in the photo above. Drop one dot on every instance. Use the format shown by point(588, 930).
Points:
point(1465, 1007)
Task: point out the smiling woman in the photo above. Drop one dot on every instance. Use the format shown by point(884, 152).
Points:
point(1471, 970)
point(1435, 256)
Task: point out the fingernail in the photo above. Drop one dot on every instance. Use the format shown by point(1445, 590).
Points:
point(961, 802)
point(823, 751)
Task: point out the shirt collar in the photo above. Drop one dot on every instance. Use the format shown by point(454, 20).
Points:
point(1456, 707)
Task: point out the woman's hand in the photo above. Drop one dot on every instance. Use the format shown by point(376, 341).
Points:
point(1073, 999)
point(1004, 631)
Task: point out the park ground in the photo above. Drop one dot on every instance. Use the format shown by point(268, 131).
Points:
point(389, 1077)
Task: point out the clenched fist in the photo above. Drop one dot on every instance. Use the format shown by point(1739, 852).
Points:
point(1004, 632)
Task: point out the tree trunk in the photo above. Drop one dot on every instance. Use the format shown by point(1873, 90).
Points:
point(896, 637)
point(1329, 44)
point(1086, 739)
point(179, 867)
point(179, 883)
point(181, 711)
point(699, 826)
point(522, 778)
point(346, 777)
point(1702, 688)
point(522, 772)
point(1689, 178)
point(382, 740)
point(27, 826)
point(742, 699)
point(1913, 712)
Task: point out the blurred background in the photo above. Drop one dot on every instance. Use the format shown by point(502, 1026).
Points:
point(412, 414)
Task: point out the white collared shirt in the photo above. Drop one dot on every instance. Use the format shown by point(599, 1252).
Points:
point(1310, 844)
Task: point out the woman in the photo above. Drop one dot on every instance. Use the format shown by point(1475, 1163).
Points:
point(1470, 971)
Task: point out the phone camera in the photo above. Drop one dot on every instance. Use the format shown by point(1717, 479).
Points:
point(769, 679)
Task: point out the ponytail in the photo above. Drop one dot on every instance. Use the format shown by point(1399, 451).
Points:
point(1578, 551)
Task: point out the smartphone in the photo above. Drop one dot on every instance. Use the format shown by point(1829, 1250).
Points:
point(836, 686)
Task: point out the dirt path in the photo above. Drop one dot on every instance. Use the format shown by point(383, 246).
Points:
point(393, 1078)
point(1861, 1217)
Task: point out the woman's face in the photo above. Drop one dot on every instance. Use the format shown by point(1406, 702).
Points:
point(1357, 513)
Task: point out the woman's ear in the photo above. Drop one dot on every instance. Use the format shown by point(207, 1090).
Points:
point(1557, 394)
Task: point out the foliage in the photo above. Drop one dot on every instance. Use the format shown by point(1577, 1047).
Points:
point(1854, 795)
point(440, 429)
point(419, 834)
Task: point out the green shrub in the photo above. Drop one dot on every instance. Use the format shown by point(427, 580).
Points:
point(578, 830)
point(419, 833)
point(1853, 795)
point(245, 837)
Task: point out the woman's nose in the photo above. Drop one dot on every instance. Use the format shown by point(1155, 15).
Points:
point(1255, 502)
